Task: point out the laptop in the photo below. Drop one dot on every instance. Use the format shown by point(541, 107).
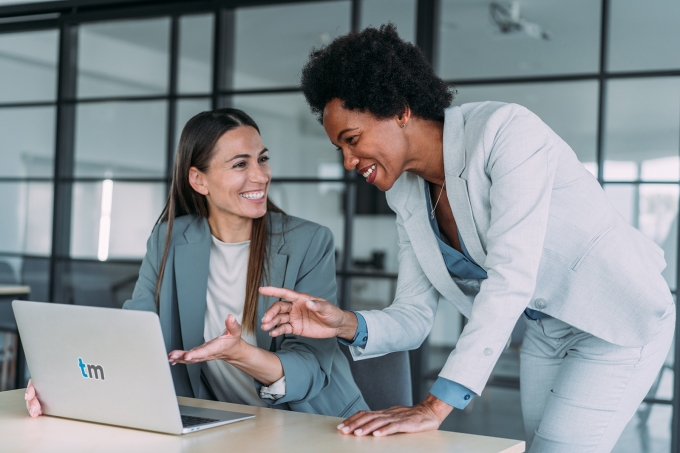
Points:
point(108, 366)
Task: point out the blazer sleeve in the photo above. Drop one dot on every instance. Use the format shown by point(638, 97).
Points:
point(406, 323)
point(144, 294)
point(521, 165)
point(307, 363)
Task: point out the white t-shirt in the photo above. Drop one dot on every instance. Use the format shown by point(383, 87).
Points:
point(226, 295)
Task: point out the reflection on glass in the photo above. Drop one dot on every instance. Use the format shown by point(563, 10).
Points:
point(97, 284)
point(401, 13)
point(29, 271)
point(273, 42)
point(376, 245)
point(297, 143)
point(26, 220)
point(114, 219)
point(186, 109)
point(123, 58)
point(372, 293)
point(642, 128)
point(195, 54)
point(644, 36)
point(27, 145)
point(537, 37)
point(569, 108)
point(28, 66)
point(320, 203)
point(653, 209)
point(121, 139)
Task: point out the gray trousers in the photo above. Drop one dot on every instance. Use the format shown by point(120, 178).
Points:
point(579, 392)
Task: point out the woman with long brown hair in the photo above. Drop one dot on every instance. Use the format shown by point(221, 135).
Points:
point(218, 239)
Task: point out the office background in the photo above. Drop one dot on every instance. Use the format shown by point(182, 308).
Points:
point(94, 94)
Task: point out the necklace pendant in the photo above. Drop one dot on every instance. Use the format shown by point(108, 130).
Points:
point(432, 215)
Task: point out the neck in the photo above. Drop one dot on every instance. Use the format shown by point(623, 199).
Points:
point(230, 229)
point(426, 141)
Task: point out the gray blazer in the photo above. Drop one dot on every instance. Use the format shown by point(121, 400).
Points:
point(542, 228)
point(301, 257)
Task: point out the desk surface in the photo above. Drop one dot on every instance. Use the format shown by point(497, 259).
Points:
point(270, 431)
point(14, 290)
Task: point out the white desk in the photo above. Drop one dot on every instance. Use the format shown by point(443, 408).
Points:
point(271, 431)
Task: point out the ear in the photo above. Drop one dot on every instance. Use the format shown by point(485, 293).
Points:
point(405, 117)
point(197, 181)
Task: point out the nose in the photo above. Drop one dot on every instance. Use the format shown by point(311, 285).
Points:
point(349, 160)
point(258, 175)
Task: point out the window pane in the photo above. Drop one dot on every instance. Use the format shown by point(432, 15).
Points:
point(569, 108)
point(114, 219)
point(123, 58)
point(195, 54)
point(474, 45)
point(372, 293)
point(121, 139)
point(642, 129)
point(401, 13)
point(28, 66)
point(376, 245)
point(297, 143)
point(33, 272)
point(186, 109)
point(644, 35)
point(320, 203)
point(653, 209)
point(97, 284)
point(26, 220)
point(273, 42)
point(27, 145)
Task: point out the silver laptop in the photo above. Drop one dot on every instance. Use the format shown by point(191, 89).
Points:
point(108, 366)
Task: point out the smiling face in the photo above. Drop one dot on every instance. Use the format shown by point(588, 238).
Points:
point(237, 182)
point(378, 149)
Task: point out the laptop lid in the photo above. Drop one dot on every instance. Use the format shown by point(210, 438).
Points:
point(99, 364)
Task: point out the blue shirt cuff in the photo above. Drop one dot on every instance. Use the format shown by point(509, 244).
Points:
point(452, 393)
point(361, 336)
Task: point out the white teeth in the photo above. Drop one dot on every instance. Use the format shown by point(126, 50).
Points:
point(369, 171)
point(252, 195)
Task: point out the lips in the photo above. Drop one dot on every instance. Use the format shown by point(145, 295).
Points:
point(369, 173)
point(255, 195)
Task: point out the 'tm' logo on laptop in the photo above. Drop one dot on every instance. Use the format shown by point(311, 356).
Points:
point(93, 371)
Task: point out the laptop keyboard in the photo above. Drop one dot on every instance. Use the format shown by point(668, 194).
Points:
point(190, 420)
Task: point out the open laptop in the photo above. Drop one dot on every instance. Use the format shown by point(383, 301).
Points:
point(108, 366)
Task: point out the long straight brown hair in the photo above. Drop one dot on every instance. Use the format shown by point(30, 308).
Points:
point(196, 149)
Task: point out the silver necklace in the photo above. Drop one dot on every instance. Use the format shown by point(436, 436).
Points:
point(437, 202)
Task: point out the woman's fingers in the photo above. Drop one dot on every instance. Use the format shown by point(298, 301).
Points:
point(277, 308)
point(389, 421)
point(283, 329)
point(357, 421)
point(283, 293)
point(282, 318)
point(232, 325)
point(32, 403)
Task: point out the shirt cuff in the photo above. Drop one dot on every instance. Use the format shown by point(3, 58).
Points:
point(275, 391)
point(452, 393)
point(361, 336)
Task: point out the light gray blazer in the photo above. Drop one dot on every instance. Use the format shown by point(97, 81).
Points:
point(301, 257)
point(542, 228)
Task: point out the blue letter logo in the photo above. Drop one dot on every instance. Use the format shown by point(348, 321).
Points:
point(82, 367)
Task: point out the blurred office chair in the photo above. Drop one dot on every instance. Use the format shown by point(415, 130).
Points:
point(384, 381)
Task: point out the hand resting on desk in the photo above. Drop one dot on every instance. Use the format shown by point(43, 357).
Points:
point(32, 402)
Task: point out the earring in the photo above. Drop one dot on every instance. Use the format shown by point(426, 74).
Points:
point(403, 125)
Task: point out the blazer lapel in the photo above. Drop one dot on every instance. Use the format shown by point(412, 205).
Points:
point(426, 248)
point(459, 198)
point(192, 263)
point(276, 275)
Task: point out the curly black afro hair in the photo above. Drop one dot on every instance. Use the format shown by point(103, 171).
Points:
point(374, 70)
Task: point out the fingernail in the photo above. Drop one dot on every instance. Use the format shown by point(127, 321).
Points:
point(358, 431)
point(26, 396)
point(345, 429)
point(340, 426)
point(30, 411)
point(187, 358)
point(376, 433)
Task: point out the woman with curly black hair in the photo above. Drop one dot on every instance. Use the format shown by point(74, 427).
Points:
point(496, 216)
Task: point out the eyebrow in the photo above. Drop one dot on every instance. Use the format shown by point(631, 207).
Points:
point(247, 156)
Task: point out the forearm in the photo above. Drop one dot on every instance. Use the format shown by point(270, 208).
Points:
point(348, 328)
point(261, 365)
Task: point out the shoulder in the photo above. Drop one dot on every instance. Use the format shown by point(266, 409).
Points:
point(492, 117)
point(179, 226)
point(297, 233)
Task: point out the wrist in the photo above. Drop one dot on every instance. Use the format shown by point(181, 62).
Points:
point(439, 408)
point(238, 353)
point(348, 327)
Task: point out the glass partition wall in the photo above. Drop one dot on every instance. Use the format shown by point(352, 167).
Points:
point(93, 99)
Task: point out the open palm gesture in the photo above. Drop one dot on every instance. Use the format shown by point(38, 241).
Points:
point(223, 347)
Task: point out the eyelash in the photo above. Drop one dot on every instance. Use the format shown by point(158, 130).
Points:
point(349, 141)
point(241, 164)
